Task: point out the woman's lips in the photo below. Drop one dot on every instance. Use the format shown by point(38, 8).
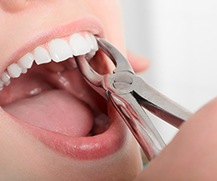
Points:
point(89, 147)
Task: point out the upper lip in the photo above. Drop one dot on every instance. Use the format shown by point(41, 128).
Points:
point(87, 24)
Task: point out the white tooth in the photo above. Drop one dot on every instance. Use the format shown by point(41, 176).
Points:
point(7, 83)
point(14, 70)
point(5, 77)
point(41, 55)
point(26, 61)
point(59, 50)
point(89, 40)
point(79, 45)
point(92, 41)
point(1, 85)
point(90, 55)
point(24, 70)
point(93, 44)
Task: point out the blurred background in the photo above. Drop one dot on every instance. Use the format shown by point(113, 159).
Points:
point(180, 40)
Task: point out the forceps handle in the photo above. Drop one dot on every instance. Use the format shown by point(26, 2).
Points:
point(144, 131)
point(130, 95)
point(159, 104)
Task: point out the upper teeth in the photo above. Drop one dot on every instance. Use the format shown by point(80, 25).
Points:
point(58, 50)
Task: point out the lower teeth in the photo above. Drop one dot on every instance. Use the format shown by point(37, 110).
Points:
point(101, 124)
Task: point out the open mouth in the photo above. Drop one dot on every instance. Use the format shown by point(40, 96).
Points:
point(45, 93)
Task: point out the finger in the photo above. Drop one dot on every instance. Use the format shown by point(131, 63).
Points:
point(192, 153)
point(138, 63)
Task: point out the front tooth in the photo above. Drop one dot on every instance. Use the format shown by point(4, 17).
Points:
point(92, 41)
point(7, 83)
point(26, 61)
point(90, 55)
point(79, 45)
point(59, 50)
point(1, 85)
point(93, 44)
point(41, 55)
point(5, 77)
point(14, 70)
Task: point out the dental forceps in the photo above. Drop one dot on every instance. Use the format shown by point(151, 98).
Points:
point(131, 95)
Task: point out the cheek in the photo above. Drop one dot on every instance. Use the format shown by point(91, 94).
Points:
point(19, 152)
point(109, 13)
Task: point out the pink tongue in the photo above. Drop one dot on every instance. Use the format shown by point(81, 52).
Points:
point(56, 111)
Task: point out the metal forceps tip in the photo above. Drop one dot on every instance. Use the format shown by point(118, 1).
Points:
point(130, 96)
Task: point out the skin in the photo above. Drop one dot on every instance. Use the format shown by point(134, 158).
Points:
point(192, 153)
point(24, 157)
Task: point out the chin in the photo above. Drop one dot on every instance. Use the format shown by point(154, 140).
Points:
point(61, 129)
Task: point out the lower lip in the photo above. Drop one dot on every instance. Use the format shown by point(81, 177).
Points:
point(82, 148)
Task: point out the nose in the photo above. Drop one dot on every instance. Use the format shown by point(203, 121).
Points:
point(13, 5)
